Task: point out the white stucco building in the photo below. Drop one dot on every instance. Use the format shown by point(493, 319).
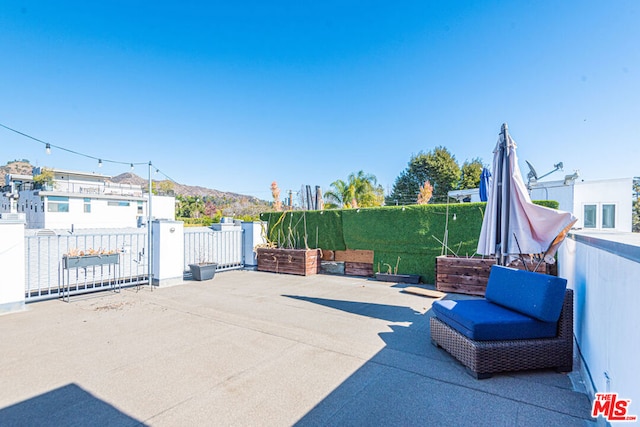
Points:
point(599, 205)
point(75, 200)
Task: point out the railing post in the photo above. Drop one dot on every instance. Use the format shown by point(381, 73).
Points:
point(253, 235)
point(12, 265)
point(168, 252)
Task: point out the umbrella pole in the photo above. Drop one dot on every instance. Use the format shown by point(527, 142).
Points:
point(502, 238)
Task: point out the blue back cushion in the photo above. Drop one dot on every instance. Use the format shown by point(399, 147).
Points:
point(484, 321)
point(534, 294)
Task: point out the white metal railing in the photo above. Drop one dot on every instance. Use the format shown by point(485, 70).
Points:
point(46, 275)
point(97, 188)
point(225, 247)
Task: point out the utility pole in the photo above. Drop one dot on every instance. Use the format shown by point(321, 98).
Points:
point(149, 233)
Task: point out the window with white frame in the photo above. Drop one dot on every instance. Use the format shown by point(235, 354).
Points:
point(608, 216)
point(58, 204)
point(590, 212)
point(87, 205)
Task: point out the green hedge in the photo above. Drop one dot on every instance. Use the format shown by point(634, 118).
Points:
point(414, 233)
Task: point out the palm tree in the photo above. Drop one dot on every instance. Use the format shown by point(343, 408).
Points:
point(338, 197)
point(360, 190)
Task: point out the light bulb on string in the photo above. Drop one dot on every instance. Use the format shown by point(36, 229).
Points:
point(131, 166)
point(48, 148)
point(99, 163)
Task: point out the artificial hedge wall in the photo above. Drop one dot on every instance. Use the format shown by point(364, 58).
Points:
point(414, 233)
point(323, 229)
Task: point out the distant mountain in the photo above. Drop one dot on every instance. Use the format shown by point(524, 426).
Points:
point(185, 190)
point(18, 167)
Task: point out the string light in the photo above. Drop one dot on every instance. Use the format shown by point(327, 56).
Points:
point(100, 161)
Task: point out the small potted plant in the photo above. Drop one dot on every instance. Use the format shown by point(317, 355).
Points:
point(390, 276)
point(203, 270)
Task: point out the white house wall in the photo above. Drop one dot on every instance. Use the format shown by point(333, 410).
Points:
point(573, 197)
point(31, 206)
point(611, 191)
point(163, 207)
point(602, 268)
point(78, 186)
point(101, 216)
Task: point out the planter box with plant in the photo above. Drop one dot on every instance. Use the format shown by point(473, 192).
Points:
point(205, 268)
point(90, 258)
point(203, 271)
point(286, 250)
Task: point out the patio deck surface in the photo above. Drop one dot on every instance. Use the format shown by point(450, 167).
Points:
point(251, 348)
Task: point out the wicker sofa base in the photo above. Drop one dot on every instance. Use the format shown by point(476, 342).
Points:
point(484, 358)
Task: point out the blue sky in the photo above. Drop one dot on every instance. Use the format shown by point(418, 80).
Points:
point(235, 95)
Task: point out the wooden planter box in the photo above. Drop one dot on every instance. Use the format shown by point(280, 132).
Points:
point(471, 275)
point(463, 275)
point(290, 261)
point(398, 278)
point(363, 269)
point(89, 260)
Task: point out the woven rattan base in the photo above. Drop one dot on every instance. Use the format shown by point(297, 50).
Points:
point(484, 358)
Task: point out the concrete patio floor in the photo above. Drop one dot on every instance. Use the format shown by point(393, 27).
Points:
point(252, 349)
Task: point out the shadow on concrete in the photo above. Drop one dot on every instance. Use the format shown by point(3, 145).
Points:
point(390, 313)
point(69, 405)
point(410, 382)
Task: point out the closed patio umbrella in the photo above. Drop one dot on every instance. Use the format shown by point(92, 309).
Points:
point(485, 179)
point(512, 224)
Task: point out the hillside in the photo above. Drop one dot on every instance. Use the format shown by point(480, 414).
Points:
point(184, 190)
point(20, 167)
point(230, 203)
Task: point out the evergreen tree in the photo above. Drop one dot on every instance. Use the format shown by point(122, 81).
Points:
point(470, 174)
point(438, 166)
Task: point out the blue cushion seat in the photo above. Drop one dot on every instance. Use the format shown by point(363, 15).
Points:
point(483, 320)
point(534, 294)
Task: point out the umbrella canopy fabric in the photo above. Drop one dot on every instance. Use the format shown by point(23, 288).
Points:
point(512, 224)
point(485, 182)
